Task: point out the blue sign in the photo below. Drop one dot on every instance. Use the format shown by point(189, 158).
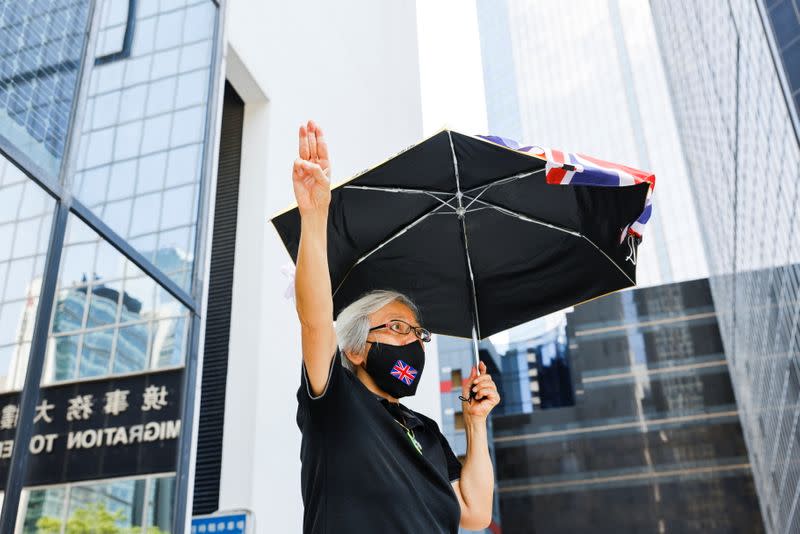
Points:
point(225, 523)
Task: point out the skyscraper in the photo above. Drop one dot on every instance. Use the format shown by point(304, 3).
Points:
point(586, 77)
point(733, 82)
point(652, 442)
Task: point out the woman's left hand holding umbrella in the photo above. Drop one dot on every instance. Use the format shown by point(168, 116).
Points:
point(475, 488)
point(485, 394)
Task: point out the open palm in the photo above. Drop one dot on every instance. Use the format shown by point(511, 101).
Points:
point(311, 171)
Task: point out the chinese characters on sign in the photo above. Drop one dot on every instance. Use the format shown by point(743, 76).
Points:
point(97, 429)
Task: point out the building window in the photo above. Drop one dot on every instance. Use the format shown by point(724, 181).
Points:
point(141, 144)
point(41, 44)
point(109, 317)
point(26, 214)
point(458, 422)
point(455, 379)
point(124, 504)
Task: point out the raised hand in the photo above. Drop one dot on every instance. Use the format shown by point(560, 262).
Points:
point(311, 172)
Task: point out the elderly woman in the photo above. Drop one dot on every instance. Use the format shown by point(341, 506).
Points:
point(369, 463)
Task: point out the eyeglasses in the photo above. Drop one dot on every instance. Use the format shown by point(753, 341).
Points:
point(402, 327)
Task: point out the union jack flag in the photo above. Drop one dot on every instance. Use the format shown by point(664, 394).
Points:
point(404, 372)
point(580, 169)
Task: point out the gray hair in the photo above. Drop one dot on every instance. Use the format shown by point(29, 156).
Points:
point(352, 323)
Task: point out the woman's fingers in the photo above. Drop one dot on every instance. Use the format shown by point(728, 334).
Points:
point(487, 393)
point(467, 384)
point(313, 170)
point(482, 384)
point(481, 380)
point(312, 142)
point(309, 172)
point(303, 142)
point(322, 145)
point(298, 169)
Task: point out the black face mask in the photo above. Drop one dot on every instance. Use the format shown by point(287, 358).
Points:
point(396, 369)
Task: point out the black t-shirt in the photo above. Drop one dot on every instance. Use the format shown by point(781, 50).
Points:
point(361, 473)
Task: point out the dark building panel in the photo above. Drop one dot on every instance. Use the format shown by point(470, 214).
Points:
point(215, 357)
point(653, 442)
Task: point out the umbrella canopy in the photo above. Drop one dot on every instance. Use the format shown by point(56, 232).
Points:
point(483, 235)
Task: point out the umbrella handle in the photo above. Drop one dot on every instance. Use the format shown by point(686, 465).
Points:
point(471, 396)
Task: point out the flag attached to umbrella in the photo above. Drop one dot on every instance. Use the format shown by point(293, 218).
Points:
point(567, 168)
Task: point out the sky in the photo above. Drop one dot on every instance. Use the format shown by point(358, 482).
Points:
point(451, 75)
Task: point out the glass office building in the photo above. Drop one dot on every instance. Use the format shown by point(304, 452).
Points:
point(733, 72)
point(585, 76)
point(107, 114)
point(652, 440)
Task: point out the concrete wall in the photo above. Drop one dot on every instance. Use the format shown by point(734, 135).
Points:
point(352, 67)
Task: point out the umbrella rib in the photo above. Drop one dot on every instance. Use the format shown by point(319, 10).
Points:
point(461, 212)
point(445, 202)
point(380, 245)
point(524, 217)
point(501, 181)
point(478, 209)
point(609, 259)
point(518, 215)
point(471, 279)
point(389, 189)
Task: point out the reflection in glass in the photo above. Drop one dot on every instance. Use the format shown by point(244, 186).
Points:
point(103, 307)
point(121, 500)
point(108, 507)
point(95, 357)
point(141, 143)
point(40, 51)
point(168, 342)
point(44, 508)
point(160, 501)
point(132, 347)
point(109, 317)
point(25, 222)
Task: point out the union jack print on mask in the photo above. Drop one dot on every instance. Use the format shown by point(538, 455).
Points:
point(403, 372)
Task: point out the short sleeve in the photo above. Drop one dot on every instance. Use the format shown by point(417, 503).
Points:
point(304, 394)
point(453, 463)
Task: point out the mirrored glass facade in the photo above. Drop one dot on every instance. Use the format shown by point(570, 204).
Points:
point(104, 125)
point(26, 214)
point(652, 442)
point(744, 158)
point(131, 505)
point(142, 137)
point(41, 46)
point(109, 317)
point(784, 20)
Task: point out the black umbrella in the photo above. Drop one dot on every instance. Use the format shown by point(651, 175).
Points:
point(472, 231)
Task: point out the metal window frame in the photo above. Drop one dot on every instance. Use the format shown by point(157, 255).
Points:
point(778, 65)
point(58, 187)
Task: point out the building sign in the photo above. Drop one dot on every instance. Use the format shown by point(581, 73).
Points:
point(98, 429)
point(228, 522)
